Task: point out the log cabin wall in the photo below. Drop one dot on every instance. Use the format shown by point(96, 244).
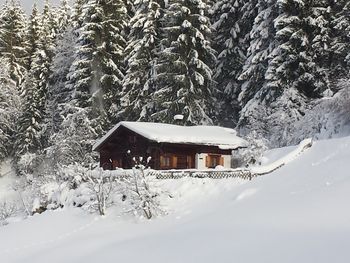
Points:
point(121, 148)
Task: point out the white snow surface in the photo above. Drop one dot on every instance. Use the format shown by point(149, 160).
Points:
point(225, 138)
point(289, 157)
point(300, 213)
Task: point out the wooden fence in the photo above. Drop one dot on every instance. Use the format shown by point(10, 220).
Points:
point(214, 174)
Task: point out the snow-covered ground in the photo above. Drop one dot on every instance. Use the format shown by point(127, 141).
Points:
point(298, 214)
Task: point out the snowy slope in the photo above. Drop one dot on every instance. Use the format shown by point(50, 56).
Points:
point(298, 214)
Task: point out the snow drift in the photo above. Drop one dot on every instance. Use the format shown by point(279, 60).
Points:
point(300, 213)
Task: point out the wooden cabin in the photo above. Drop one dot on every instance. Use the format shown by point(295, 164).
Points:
point(167, 146)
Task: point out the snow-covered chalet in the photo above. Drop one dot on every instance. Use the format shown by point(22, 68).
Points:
point(167, 146)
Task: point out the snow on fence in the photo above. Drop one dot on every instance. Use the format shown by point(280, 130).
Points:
point(244, 173)
point(177, 174)
point(214, 174)
point(266, 169)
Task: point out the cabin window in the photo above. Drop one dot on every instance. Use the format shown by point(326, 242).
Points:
point(213, 160)
point(165, 161)
point(168, 161)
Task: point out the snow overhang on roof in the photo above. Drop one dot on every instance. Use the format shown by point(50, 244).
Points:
point(224, 138)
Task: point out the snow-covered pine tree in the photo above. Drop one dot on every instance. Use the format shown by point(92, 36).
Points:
point(112, 56)
point(77, 13)
point(184, 69)
point(13, 39)
point(143, 44)
point(231, 47)
point(291, 63)
point(33, 32)
point(130, 7)
point(97, 71)
point(28, 138)
point(340, 45)
point(59, 90)
point(63, 15)
point(262, 43)
point(321, 38)
point(290, 76)
point(10, 104)
point(41, 63)
point(32, 120)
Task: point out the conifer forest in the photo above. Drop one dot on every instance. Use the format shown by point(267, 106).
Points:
point(273, 69)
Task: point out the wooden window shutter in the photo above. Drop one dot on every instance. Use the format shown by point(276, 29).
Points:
point(189, 162)
point(221, 162)
point(207, 161)
point(174, 163)
point(161, 161)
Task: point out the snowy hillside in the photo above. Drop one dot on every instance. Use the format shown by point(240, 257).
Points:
point(298, 214)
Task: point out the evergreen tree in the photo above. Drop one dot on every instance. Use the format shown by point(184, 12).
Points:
point(184, 70)
point(41, 65)
point(340, 45)
point(33, 123)
point(63, 16)
point(231, 46)
point(97, 71)
point(29, 136)
point(130, 7)
point(13, 39)
point(59, 92)
point(280, 99)
point(143, 44)
point(33, 32)
point(321, 38)
point(262, 44)
point(77, 13)
point(292, 62)
point(9, 110)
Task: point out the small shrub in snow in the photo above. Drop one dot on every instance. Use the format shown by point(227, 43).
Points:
point(7, 210)
point(253, 153)
point(102, 186)
point(143, 199)
point(28, 163)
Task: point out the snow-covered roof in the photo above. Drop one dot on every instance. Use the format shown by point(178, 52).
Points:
point(224, 138)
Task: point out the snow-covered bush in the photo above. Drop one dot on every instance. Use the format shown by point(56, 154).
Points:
point(142, 197)
point(327, 118)
point(102, 186)
point(252, 154)
point(7, 210)
point(73, 143)
point(29, 163)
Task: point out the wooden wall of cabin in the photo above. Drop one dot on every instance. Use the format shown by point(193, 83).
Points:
point(121, 148)
point(182, 156)
point(119, 151)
